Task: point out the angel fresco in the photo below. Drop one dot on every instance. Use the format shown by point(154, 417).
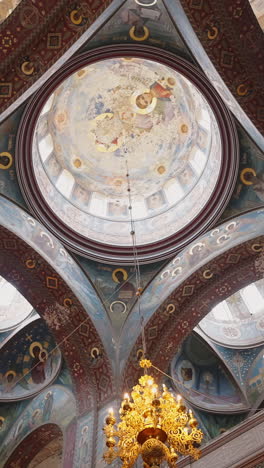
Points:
point(47, 408)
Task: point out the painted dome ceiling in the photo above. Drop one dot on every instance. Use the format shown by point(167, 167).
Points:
point(238, 321)
point(128, 115)
point(131, 113)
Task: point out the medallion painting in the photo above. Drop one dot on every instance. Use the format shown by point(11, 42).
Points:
point(134, 116)
point(27, 365)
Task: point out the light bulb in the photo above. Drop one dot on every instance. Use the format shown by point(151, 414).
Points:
point(179, 398)
point(111, 411)
point(126, 396)
point(150, 382)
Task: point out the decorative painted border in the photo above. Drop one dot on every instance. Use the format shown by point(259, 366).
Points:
point(43, 287)
point(183, 309)
point(152, 252)
point(39, 33)
point(234, 42)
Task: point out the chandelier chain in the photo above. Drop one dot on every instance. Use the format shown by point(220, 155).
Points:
point(136, 260)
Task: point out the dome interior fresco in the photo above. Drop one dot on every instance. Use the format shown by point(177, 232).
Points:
point(239, 320)
point(14, 308)
point(91, 108)
point(144, 119)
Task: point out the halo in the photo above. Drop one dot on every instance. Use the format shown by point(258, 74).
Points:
point(168, 83)
point(10, 372)
point(43, 359)
point(118, 302)
point(5, 153)
point(25, 70)
point(146, 4)
point(136, 38)
point(213, 34)
point(114, 274)
point(75, 17)
point(104, 115)
point(247, 170)
point(102, 149)
point(35, 343)
point(85, 429)
point(30, 263)
point(94, 349)
point(148, 109)
point(242, 90)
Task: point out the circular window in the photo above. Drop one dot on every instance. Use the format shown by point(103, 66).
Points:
point(119, 116)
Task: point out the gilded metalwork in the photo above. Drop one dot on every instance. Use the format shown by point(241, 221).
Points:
point(154, 425)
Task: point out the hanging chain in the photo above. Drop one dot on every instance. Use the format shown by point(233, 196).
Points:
point(136, 261)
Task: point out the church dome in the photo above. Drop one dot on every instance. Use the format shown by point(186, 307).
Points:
point(128, 122)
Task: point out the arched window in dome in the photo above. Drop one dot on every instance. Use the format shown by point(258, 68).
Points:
point(14, 308)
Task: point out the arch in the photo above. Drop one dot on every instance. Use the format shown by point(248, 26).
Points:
point(37, 278)
point(202, 377)
point(55, 405)
point(191, 297)
point(32, 444)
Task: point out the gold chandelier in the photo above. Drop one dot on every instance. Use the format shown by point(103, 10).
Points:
point(154, 425)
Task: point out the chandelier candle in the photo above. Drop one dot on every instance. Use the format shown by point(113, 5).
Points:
point(154, 425)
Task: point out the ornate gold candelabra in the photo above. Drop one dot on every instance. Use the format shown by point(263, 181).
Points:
point(154, 425)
